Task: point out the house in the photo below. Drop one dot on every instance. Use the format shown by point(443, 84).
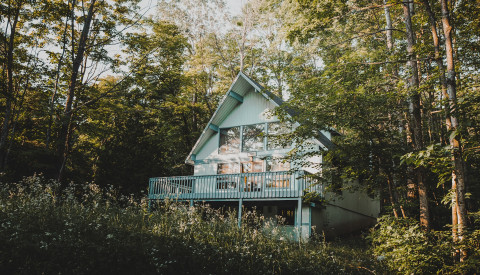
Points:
point(238, 163)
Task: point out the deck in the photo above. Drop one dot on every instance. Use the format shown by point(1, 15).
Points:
point(245, 186)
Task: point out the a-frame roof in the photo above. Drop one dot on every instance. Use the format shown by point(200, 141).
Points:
point(234, 96)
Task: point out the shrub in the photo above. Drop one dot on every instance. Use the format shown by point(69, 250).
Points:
point(78, 229)
point(404, 246)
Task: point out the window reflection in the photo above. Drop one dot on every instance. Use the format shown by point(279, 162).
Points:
point(275, 132)
point(229, 181)
point(253, 137)
point(280, 180)
point(229, 140)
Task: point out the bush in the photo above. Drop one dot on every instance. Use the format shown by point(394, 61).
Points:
point(404, 246)
point(78, 229)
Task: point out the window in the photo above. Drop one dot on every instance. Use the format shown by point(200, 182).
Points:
point(252, 182)
point(278, 180)
point(229, 140)
point(227, 182)
point(274, 165)
point(253, 136)
point(286, 214)
point(275, 132)
point(228, 168)
point(252, 167)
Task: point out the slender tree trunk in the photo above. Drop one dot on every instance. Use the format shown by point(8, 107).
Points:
point(16, 109)
point(10, 89)
point(57, 78)
point(438, 59)
point(458, 178)
point(388, 20)
point(390, 194)
point(65, 135)
point(415, 118)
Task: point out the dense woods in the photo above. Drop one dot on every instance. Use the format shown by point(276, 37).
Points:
point(98, 91)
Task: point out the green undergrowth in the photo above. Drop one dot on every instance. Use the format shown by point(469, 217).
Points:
point(46, 228)
point(408, 249)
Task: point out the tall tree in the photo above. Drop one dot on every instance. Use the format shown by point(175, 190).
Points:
point(66, 119)
point(415, 117)
point(459, 211)
point(10, 41)
point(100, 24)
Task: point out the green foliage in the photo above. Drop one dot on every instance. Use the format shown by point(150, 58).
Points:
point(47, 228)
point(404, 246)
point(436, 157)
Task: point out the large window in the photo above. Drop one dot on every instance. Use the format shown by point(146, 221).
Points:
point(253, 136)
point(252, 167)
point(278, 180)
point(227, 182)
point(229, 140)
point(275, 165)
point(275, 132)
point(228, 168)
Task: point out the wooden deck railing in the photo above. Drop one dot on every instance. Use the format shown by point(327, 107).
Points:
point(234, 186)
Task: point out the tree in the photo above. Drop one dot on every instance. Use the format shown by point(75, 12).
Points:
point(98, 29)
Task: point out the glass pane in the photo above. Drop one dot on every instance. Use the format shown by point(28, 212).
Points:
point(252, 167)
point(275, 132)
point(227, 182)
point(253, 137)
point(229, 140)
point(278, 180)
point(274, 165)
point(287, 214)
point(228, 168)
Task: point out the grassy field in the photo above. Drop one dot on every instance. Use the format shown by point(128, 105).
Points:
point(46, 228)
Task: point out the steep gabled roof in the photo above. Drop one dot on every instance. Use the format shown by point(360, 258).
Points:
point(234, 96)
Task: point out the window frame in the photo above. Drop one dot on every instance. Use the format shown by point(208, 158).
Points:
point(242, 149)
point(266, 147)
point(220, 140)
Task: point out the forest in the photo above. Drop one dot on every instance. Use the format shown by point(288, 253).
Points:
point(108, 93)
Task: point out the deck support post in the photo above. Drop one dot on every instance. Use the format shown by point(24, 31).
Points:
point(240, 202)
point(299, 219)
point(191, 203)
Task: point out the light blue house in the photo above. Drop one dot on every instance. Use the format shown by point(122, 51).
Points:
point(238, 162)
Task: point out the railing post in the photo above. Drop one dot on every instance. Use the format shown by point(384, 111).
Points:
point(240, 202)
point(299, 218)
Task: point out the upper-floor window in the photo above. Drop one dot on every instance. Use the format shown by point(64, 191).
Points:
point(275, 132)
point(229, 140)
point(253, 136)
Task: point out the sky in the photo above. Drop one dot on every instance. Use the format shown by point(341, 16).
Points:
point(235, 6)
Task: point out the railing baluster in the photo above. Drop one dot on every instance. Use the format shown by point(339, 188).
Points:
point(234, 186)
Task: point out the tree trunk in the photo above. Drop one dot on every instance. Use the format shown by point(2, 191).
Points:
point(390, 194)
point(415, 118)
point(65, 135)
point(458, 178)
point(388, 20)
point(9, 95)
point(57, 79)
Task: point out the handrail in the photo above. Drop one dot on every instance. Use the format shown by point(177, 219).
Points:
point(283, 184)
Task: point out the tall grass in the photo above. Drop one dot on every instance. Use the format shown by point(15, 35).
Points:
point(80, 229)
